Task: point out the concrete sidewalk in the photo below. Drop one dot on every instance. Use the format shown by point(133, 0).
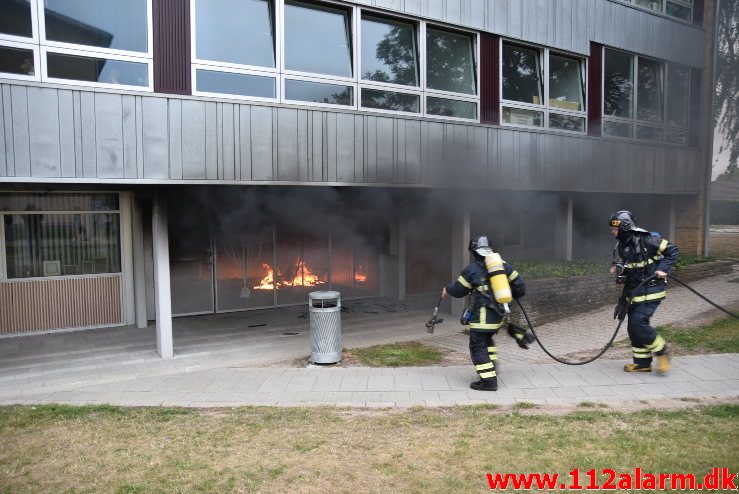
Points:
point(210, 369)
point(706, 376)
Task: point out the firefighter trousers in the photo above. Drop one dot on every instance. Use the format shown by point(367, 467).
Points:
point(645, 342)
point(483, 353)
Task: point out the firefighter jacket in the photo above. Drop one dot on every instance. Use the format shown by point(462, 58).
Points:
point(643, 253)
point(486, 314)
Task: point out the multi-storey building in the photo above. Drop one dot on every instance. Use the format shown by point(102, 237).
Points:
point(169, 157)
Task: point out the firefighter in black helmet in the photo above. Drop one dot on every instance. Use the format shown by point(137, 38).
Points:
point(639, 255)
point(486, 315)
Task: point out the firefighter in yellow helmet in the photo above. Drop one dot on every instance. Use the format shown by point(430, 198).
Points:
point(486, 316)
point(640, 255)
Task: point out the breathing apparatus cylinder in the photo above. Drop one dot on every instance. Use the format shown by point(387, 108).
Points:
point(498, 279)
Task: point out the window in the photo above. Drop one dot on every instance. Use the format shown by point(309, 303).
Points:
point(95, 42)
point(542, 88)
point(451, 75)
point(389, 64)
point(642, 96)
point(59, 234)
point(680, 9)
point(223, 30)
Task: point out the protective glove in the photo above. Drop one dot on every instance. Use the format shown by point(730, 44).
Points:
point(523, 338)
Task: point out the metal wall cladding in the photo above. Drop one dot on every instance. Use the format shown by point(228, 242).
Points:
point(565, 24)
point(71, 135)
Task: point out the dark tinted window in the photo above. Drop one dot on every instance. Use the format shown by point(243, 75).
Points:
point(97, 70)
point(15, 18)
point(16, 61)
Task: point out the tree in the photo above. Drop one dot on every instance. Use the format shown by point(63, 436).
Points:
point(726, 102)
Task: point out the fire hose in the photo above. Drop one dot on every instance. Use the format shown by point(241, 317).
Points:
point(620, 314)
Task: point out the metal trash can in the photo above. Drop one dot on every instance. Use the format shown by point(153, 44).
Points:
point(325, 327)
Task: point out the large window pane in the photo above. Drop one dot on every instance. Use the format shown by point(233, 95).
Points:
point(16, 61)
point(15, 18)
point(649, 92)
point(62, 244)
point(618, 84)
point(678, 83)
point(655, 5)
point(679, 11)
point(231, 83)
point(566, 122)
point(97, 70)
point(318, 39)
point(522, 79)
point(566, 89)
point(302, 264)
point(519, 116)
point(121, 25)
point(389, 100)
point(648, 133)
point(389, 52)
point(58, 202)
point(235, 31)
point(451, 108)
point(318, 92)
point(618, 129)
point(450, 62)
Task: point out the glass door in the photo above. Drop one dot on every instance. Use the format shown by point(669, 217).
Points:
point(191, 267)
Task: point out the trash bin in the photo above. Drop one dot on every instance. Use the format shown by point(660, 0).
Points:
point(325, 327)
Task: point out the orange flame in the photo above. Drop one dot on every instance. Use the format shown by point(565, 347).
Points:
point(304, 277)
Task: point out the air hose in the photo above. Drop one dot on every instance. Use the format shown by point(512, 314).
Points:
point(618, 327)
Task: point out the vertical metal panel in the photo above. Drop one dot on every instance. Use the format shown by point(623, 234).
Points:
point(329, 171)
point(399, 152)
point(155, 134)
point(434, 9)
point(317, 150)
point(435, 157)
point(89, 140)
point(211, 141)
point(413, 7)
point(389, 4)
point(384, 149)
point(359, 146)
point(302, 145)
point(508, 157)
point(43, 132)
point(128, 106)
point(139, 137)
point(287, 150)
point(345, 148)
point(412, 148)
point(219, 140)
point(66, 133)
point(475, 13)
point(77, 112)
point(595, 88)
point(479, 154)
point(237, 141)
point(489, 78)
point(261, 143)
point(515, 19)
point(453, 14)
point(109, 135)
point(371, 149)
point(3, 156)
point(171, 27)
point(229, 142)
point(21, 149)
point(193, 140)
point(245, 142)
point(174, 129)
point(694, 110)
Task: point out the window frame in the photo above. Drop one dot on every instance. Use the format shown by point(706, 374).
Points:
point(36, 61)
point(320, 80)
point(634, 122)
point(41, 46)
point(663, 11)
point(544, 108)
point(121, 244)
point(83, 53)
point(233, 70)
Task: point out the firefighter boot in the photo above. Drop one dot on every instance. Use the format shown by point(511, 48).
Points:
point(663, 363)
point(637, 368)
point(490, 384)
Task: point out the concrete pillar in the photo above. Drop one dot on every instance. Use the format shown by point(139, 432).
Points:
point(139, 268)
point(163, 302)
point(563, 230)
point(402, 260)
point(460, 254)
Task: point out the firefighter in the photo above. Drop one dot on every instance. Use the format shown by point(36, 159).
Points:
point(639, 255)
point(486, 314)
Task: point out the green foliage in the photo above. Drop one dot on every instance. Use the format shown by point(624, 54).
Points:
point(687, 260)
point(398, 355)
point(726, 109)
point(534, 270)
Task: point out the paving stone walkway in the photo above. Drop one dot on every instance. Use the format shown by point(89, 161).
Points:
point(217, 377)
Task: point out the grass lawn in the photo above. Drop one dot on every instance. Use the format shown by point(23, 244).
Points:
point(404, 354)
point(271, 450)
point(721, 336)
